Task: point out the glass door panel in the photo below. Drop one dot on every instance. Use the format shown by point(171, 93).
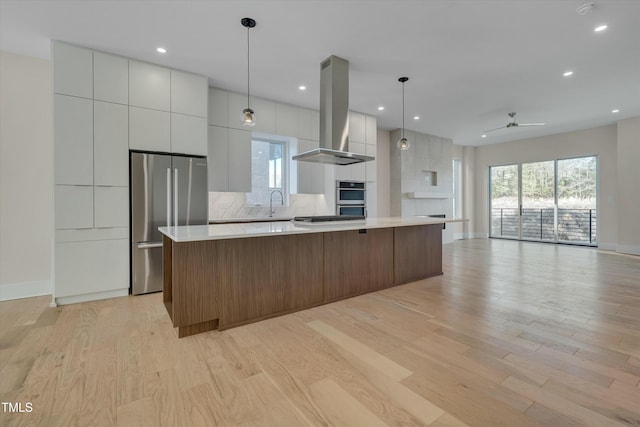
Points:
point(538, 201)
point(505, 216)
point(577, 214)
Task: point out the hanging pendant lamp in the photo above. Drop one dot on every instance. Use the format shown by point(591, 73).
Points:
point(403, 143)
point(248, 117)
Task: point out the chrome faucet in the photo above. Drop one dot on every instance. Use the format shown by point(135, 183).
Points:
point(271, 211)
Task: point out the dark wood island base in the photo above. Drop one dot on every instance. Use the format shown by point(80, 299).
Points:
point(223, 283)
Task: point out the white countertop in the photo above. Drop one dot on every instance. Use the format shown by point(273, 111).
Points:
point(191, 233)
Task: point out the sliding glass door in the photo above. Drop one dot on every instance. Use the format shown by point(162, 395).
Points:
point(550, 201)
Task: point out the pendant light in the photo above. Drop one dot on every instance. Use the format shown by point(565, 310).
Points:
point(248, 117)
point(403, 143)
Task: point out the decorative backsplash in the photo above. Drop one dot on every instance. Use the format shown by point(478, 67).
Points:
point(223, 205)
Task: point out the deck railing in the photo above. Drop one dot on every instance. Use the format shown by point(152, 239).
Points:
point(577, 226)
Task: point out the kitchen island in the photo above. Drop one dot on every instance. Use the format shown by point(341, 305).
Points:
point(225, 275)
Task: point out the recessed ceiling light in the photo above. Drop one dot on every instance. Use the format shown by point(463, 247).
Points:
point(416, 117)
point(567, 73)
point(381, 108)
point(615, 111)
point(302, 87)
point(484, 136)
point(600, 28)
point(161, 50)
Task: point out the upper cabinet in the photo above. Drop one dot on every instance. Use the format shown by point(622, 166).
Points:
point(218, 107)
point(110, 78)
point(149, 86)
point(188, 134)
point(72, 70)
point(73, 140)
point(189, 94)
point(357, 128)
point(287, 120)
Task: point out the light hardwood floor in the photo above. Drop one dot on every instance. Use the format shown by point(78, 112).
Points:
point(513, 334)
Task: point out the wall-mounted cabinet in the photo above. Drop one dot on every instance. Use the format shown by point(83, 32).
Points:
point(149, 86)
point(149, 129)
point(110, 78)
point(357, 128)
point(311, 176)
point(229, 159)
point(111, 143)
point(73, 140)
point(218, 107)
point(188, 134)
point(73, 70)
point(189, 94)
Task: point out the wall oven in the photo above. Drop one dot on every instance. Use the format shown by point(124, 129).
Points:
point(351, 198)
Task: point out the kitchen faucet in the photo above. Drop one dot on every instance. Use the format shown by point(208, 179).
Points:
point(271, 211)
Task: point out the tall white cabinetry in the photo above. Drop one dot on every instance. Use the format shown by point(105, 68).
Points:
point(105, 105)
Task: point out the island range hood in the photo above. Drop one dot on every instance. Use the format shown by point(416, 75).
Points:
point(334, 117)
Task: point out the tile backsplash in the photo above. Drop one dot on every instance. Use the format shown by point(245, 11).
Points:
point(223, 205)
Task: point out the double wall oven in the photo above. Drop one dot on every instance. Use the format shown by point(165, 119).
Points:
point(351, 198)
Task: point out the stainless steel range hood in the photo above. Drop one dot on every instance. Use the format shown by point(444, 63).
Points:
point(334, 117)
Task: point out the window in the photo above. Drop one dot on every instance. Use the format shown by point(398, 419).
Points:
point(457, 188)
point(268, 171)
point(549, 201)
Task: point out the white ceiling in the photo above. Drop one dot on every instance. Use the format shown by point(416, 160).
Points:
point(469, 62)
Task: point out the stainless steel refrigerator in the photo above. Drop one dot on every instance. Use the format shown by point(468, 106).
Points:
point(166, 190)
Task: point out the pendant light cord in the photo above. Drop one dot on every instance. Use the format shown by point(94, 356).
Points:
point(248, 105)
point(403, 109)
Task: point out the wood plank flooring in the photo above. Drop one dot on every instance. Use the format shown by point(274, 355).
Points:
point(513, 334)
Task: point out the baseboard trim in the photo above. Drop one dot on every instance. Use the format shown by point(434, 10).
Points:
point(11, 291)
point(75, 299)
point(607, 246)
point(625, 249)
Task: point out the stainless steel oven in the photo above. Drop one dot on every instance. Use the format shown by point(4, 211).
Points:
point(351, 198)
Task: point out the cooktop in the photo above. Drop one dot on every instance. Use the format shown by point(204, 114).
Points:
point(329, 218)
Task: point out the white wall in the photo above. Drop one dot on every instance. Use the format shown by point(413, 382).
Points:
point(26, 195)
point(600, 141)
point(628, 181)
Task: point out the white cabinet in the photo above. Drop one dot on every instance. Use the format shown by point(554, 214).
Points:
point(372, 166)
point(149, 86)
point(371, 130)
point(111, 206)
point(315, 125)
point(91, 266)
point(237, 102)
point(72, 70)
point(110, 78)
point(358, 171)
point(357, 127)
point(111, 144)
point(311, 176)
point(229, 159)
point(73, 140)
point(265, 115)
point(239, 160)
point(305, 124)
point(357, 147)
point(219, 107)
point(286, 120)
point(149, 130)
point(188, 134)
point(218, 158)
point(372, 199)
point(74, 206)
point(189, 93)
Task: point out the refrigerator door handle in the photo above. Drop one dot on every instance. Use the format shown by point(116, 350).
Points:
point(149, 245)
point(175, 196)
point(168, 197)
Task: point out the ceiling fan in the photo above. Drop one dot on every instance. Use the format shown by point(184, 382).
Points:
point(513, 123)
